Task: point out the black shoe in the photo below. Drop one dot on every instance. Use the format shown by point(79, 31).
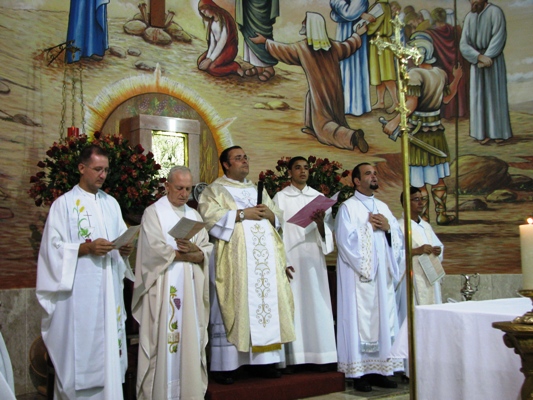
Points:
point(269, 372)
point(380, 381)
point(288, 370)
point(358, 140)
point(223, 377)
point(361, 385)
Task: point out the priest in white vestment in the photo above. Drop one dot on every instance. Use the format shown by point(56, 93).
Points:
point(171, 298)
point(80, 286)
point(251, 301)
point(370, 246)
point(306, 249)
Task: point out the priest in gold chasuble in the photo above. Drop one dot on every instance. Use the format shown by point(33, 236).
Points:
point(251, 301)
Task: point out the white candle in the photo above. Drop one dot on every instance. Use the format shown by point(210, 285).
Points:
point(526, 250)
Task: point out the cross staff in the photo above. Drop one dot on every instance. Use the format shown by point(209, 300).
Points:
point(402, 54)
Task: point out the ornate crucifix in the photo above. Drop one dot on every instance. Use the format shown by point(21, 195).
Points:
point(402, 54)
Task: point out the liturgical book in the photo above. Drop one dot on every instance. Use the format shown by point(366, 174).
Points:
point(186, 228)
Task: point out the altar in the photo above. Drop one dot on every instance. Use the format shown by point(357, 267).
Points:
point(459, 355)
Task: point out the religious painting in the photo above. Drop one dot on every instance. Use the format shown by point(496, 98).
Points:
point(296, 82)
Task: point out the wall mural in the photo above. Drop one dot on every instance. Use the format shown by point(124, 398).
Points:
point(284, 78)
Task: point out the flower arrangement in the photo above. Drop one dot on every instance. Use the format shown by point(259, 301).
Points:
point(132, 179)
point(326, 176)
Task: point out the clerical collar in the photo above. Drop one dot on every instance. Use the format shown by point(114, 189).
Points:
point(89, 194)
point(368, 201)
point(302, 190)
point(180, 211)
point(362, 196)
point(234, 180)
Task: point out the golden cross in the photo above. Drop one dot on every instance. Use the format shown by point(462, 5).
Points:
point(402, 54)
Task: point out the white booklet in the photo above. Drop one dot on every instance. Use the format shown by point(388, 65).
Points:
point(186, 228)
point(432, 267)
point(127, 237)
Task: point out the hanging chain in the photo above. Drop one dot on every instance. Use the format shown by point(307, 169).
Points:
point(82, 103)
point(63, 105)
point(73, 98)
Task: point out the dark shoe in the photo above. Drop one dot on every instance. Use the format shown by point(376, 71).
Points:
point(289, 370)
point(380, 381)
point(405, 379)
point(223, 377)
point(358, 140)
point(361, 385)
point(270, 372)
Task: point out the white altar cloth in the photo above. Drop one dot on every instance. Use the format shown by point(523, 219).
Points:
point(459, 355)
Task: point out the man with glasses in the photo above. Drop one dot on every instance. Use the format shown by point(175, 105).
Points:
point(79, 285)
point(424, 241)
point(251, 300)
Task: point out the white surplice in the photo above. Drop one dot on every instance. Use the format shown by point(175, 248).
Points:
point(83, 326)
point(171, 304)
point(306, 250)
point(367, 267)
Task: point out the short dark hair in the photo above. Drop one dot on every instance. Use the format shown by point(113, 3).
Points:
point(224, 156)
point(412, 190)
point(88, 151)
point(356, 173)
point(293, 160)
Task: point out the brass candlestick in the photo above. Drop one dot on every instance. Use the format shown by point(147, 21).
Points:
point(519, 335)
point(527, 318)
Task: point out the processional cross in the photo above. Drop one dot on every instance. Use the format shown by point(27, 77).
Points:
point(402, 54)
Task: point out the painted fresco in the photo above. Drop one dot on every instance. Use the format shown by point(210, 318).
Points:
point(262, 104)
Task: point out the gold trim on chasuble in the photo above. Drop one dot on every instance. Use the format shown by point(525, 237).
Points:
point(262, 285)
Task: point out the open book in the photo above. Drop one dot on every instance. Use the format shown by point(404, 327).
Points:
point(186, 228)
point(127, 237)
point(432, 267)
point(303, 217)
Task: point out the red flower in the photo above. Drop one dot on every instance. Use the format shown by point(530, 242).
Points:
point(41, 164)
point(139, 149)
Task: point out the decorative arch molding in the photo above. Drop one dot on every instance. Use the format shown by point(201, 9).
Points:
point(114, 95)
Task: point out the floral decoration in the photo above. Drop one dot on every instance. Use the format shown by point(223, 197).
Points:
point(326, 176)
point(133, 178)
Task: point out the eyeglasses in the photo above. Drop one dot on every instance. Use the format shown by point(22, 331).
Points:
point(417, 199)
point(240, 158)
point(98, 170)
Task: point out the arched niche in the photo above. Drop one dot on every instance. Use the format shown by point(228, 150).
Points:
point(153, 94)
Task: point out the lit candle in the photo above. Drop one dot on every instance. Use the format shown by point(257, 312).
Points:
point(526, 250)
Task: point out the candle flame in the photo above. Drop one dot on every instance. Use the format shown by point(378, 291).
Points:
point(530, 220)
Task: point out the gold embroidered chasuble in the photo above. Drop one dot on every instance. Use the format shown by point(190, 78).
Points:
point(231, 266)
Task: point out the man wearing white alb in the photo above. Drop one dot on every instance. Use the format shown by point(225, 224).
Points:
point(306, 249)
point(370, 246)
point(424, 241)
point(80, 286)
point(171, 298)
